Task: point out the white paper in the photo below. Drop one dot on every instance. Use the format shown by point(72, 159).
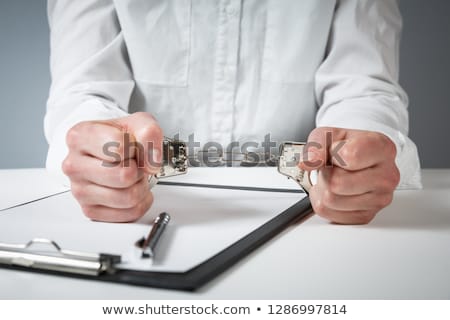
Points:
point(28, 185)
point(261, 177)
point(203, 221)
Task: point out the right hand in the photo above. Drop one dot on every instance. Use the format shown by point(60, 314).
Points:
point(113, 186)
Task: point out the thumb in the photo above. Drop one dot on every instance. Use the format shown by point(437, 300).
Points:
point(316, 150)
point(146, 138)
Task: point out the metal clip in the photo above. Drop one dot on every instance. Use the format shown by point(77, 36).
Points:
point(291, 154)
point(58, 259)
point(174, 162)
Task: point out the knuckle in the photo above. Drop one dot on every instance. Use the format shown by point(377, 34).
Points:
point(385, 200)
point(89, 212)
point(395, 177)
point(138, 211)
point(78, 191)
point(319, 206)
point(319, 132)
point(377, 137)
point(365, 217)
point(316, 134)
point(145, 205)
point(350, 154)
point(73, 136)
point(387, 145)
point(391, 179)
point(132, 196)
point(69, 166)
point(314, 196)
point(136, 214)
point(154, 132)
point(328, 198)
point(143, 115)
point(334, 184)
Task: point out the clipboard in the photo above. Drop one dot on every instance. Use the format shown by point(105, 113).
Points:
point(188, 280)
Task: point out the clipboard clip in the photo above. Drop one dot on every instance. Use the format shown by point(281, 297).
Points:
point(174, 161)
point(54, 258)
point(290, 155)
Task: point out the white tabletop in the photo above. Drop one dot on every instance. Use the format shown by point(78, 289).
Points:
point(403, 254)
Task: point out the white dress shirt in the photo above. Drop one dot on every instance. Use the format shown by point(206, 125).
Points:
point(229, 70)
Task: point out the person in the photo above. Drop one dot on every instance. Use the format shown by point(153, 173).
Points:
point(224, 71)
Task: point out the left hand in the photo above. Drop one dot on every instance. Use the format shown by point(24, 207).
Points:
point(357, 173)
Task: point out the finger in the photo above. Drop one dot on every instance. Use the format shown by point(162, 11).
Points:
point(149, 138)
point(316, 153)
point(106, 214)
point(339, 216)
point(378, 179)
point(101, 139)
point(85, 168)
point(365, 202)
point(362, 149)
point(92, 194)
point(347, 217)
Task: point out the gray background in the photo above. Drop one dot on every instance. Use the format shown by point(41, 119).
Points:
point(24, 80)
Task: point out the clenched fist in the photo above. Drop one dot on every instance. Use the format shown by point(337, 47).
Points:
point(357, 174)
point(109, 177)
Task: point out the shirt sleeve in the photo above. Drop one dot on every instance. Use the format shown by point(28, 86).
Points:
point(91, 78)
point(357, 83)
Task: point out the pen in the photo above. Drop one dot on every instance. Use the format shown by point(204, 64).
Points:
point(159, 225)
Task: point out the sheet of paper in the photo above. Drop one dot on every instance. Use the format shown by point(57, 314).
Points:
point(204, 221)
point(262, 177)
point(33, 184)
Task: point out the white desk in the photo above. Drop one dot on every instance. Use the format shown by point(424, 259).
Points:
point(403, 254)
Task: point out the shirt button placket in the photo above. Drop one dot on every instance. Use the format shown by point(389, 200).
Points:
point(225, 71)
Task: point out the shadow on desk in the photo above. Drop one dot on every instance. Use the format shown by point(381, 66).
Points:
point(427, 209)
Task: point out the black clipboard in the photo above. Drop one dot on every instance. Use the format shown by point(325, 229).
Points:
point(199, 275)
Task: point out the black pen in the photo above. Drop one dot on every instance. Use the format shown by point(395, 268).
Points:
point(149, 244)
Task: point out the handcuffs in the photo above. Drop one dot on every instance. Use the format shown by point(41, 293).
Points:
point(175, 162)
